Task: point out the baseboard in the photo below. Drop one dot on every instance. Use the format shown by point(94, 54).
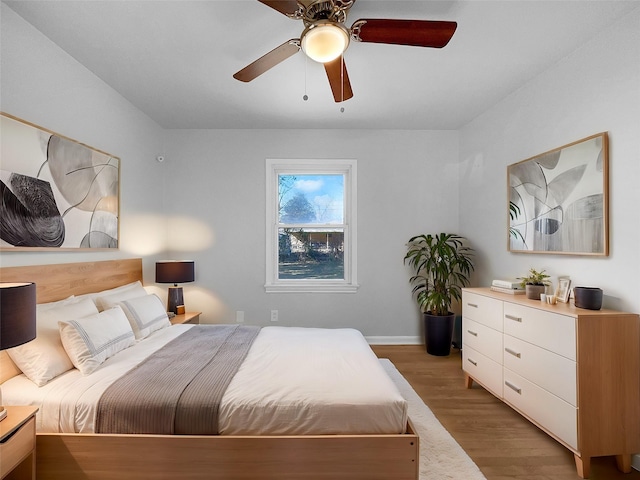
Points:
point(394, 340)
point(635, 461)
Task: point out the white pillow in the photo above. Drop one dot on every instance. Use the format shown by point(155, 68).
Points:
point(145, 314)
point(44, 358)
point(89, 341)
point(112, 291)
point(110, 298)
point(41, 307)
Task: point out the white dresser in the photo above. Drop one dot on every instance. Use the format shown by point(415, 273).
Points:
point(575, 373)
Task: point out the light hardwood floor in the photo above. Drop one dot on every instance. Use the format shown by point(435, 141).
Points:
point(503, 444)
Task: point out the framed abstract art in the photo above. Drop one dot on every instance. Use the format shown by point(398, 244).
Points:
point(56, 193)
point(558, 201)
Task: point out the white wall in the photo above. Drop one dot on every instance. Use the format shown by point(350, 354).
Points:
point(45, 86)
point(595, 89)
point(407, 185)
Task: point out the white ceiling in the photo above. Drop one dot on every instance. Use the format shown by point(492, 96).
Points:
point(174, 60)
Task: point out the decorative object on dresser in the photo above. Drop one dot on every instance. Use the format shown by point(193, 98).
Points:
point(509, 284)
point(59, 193)
point(563, 289)
point(572, 372)
point(534, 283)
point(175, 271)
point(442, 264)
point(588, 297)
point(558, 200)
point(509, 291)
point(17, 318)
point(512, 287)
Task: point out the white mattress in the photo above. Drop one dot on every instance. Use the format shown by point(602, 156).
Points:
point(294, 381)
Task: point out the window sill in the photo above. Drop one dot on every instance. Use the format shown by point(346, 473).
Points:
point(310, 288)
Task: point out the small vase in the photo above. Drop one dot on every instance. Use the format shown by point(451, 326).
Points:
point(533, 291)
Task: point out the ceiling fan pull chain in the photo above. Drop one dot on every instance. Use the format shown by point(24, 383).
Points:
point(342, 82)
point(305, 97)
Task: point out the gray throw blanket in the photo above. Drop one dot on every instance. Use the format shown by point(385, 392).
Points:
point(178, 389)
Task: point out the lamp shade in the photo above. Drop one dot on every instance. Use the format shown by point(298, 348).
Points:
point(324, 41)
point(17, 314)
point(175, 271)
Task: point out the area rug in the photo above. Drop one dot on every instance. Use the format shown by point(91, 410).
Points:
point(441, 457)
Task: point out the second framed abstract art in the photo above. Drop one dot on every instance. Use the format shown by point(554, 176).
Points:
point(558, 201)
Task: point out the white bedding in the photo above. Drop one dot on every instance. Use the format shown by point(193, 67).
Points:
point(294, 381)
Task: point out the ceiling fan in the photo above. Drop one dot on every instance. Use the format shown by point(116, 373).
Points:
point(325, 38)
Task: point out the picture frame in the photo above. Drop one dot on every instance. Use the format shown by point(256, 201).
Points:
point(58, 194)
point(559, 200)
point(564, 289)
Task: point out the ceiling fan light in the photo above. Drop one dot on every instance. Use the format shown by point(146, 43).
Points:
point(324, 42)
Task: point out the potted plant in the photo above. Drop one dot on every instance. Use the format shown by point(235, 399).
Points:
point(442, 265)
point(534, 283)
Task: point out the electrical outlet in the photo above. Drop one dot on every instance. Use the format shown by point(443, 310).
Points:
point(240, 316)
point(274, 315)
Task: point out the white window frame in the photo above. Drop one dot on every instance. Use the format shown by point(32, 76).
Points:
point(276, 167)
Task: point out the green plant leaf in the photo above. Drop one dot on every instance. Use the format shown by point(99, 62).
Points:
point(442, 265)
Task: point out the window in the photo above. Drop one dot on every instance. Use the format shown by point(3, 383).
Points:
point(311, 226)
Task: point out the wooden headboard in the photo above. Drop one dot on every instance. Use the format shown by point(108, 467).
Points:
point(55, 282)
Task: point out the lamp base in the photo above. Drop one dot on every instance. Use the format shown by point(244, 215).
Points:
point(174, 299)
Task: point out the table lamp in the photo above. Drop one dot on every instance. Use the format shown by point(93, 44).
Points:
point(175, 271)
point(17, 318)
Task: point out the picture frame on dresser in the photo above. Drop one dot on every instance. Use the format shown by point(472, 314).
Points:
point(564, 289)
point(59, 194)
point(558, 201)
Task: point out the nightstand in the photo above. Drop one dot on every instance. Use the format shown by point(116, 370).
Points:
point(18, 443)
point(189, 317)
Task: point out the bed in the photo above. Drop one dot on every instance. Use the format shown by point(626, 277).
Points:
point(234, 454)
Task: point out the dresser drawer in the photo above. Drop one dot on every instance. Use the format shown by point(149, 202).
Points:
point(482, 339)
point(550, 412)
point(17, 446)
point(551, 371)
point(550, 331)
point(484, 310)
point(482, 369)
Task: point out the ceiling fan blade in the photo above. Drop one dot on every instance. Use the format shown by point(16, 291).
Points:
point(269, 60)
point(339, 79)
point(289, 8)
point(419, 33)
